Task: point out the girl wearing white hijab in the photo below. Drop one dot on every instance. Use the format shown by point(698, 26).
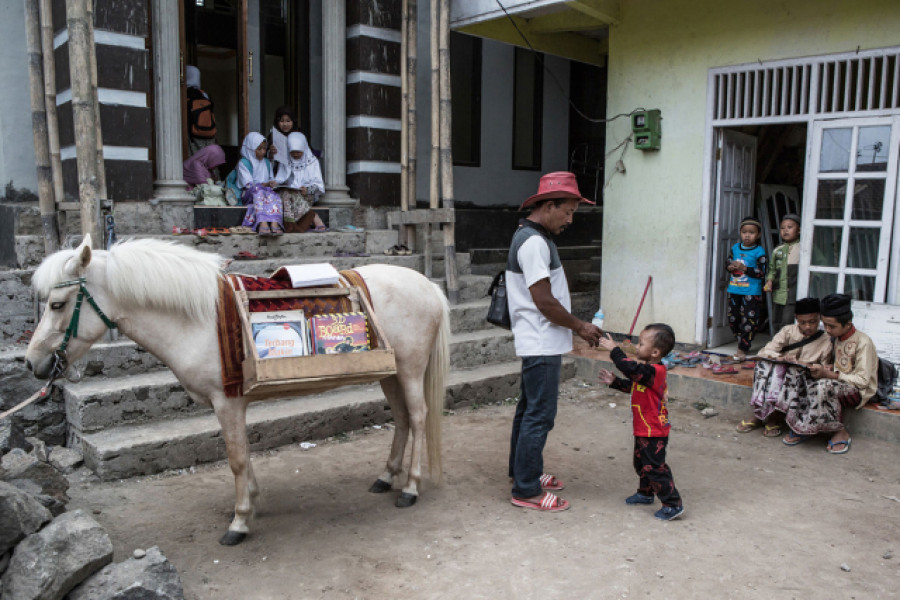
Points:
point(300, 183)
point(255, 178)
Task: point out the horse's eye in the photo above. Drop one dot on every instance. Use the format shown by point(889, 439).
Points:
point(57, 305)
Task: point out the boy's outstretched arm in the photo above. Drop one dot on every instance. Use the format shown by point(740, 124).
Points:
point(616, 383)
point(640, 373)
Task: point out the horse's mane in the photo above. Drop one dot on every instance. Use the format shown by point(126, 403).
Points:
point(148, 273)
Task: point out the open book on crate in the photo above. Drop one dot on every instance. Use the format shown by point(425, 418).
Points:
point(280, 334)
point(340, 332)
point(311, 275)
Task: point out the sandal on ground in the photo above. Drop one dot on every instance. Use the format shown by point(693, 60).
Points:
point(747, 426)
point(277, 230)
point(181, 230)
point(240, 229)
point(319, 229)
point(792, 439)
point(830, 446)
point(245, 255)
point(772, 431)
point(219, 231)
point(393, 250)
point(546, 502)
point(724, 370)
point(265, 230)
point(404, 251)
point(202, 232)
point(549, 482)
point(748, 365)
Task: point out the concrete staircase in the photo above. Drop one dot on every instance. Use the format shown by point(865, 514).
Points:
point(130, 416)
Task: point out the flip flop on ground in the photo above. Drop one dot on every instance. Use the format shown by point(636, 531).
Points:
point(845, 446)
point(549, 482)
point(546, 502)
point(772, 431)
point(792, 439)
point(747, 426)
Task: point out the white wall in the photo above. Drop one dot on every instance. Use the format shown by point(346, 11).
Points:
point(494, 182)
point(660, 54)
point(16, 141)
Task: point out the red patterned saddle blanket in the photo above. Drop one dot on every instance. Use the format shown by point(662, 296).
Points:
point(231, 347)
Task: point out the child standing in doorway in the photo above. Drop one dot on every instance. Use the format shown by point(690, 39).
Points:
point(646, 381)
point(746, 265)
point(781, 280)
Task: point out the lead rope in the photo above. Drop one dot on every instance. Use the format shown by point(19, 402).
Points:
point(60, 362)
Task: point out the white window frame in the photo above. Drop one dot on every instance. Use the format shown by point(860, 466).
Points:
point(851, 176)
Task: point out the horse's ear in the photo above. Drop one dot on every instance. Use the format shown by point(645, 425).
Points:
point(78, 263)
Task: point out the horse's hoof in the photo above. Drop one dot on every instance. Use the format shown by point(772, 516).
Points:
point(380, 487)
point(406, 500)
point(232, 538)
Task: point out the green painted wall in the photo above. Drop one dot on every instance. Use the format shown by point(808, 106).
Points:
point(659, 57)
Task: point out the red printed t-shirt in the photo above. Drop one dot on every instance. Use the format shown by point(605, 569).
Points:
point(649, 394)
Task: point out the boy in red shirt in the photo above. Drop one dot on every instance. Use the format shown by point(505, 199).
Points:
point(646, 381)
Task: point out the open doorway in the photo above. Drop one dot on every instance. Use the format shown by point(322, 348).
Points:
point(760, 172)
point(253, 56)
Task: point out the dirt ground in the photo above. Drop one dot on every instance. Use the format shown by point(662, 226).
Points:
point(762, 520)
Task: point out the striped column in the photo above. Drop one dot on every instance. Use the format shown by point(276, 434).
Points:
point(373, 101)
point(123, 81)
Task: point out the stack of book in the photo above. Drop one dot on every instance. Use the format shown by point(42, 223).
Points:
point(281, 334)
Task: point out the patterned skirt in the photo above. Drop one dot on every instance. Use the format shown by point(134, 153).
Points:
point(769, 392)
point(817, 405)
point(295, 204)
point(263, 205)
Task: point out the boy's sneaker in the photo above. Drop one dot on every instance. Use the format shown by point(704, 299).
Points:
point(639, 498)
point(667, 513)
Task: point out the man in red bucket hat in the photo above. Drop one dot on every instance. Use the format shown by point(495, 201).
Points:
point(542, 324)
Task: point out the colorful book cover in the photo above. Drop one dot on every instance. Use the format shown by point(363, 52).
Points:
point(280, 334)
point(340, 332)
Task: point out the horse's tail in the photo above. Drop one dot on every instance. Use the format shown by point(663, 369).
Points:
point(435, 390)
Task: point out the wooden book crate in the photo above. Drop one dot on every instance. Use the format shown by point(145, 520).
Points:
point(300, 375)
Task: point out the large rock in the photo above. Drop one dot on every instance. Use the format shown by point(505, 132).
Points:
point(149, 578)
point(20, 515)
point(12, 436)
point(46, 565)
point(18, 465)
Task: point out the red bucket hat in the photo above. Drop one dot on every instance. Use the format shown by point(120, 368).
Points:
point(561, 184)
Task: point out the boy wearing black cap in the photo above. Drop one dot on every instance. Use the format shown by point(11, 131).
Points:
point(747, 266)
point(829, 390)
point(801, 342)
point(782, 277)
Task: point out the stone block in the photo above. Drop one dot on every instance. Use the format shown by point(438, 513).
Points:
point(17, 466)
point(65, 459)
point(20, 516)
point(12, 436)
point(151, 577)
point(46, 565)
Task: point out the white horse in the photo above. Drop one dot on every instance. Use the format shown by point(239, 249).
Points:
point(163, 296)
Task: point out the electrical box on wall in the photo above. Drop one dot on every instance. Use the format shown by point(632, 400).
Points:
point(647, 128)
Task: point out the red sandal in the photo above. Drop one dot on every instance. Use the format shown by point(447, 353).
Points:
point(549, 482)
point(546, 502)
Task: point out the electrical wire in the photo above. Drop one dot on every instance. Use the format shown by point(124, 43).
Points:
point(562, 90)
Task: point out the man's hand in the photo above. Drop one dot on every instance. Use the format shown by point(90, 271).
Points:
point(273, 150)
point(768, 286)
point(589, 333)
point(606, 377)
point(607, 343)
point(821, 372)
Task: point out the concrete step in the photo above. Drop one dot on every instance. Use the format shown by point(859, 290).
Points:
point(471, 287)
point(130, 451)
point(98, 403)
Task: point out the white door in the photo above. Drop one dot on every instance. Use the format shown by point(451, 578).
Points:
point(848, 210)
point(735, 173)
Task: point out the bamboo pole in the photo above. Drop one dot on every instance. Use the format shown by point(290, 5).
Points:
point(446, 153)
point(404, 116)
point(412, 35)
point(46, 200)
point(50, 99)
point(84, 116)
point(434, 175)
point(101, 164)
